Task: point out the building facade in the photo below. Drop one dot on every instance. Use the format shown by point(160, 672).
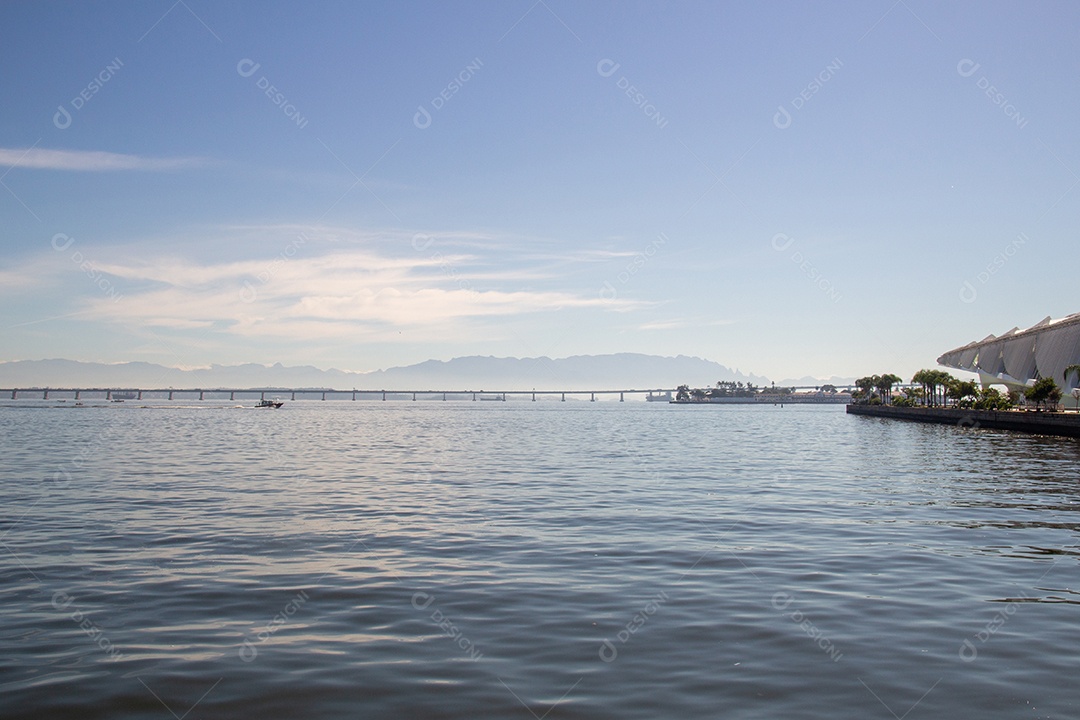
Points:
point(1019, 357)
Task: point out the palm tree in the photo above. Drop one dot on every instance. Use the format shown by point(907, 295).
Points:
point(943, 380)
point(867, 385)
point(926, 379)
point(935, 384)
point(885, 384)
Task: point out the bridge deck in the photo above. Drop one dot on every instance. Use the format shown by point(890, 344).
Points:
point(305, 393)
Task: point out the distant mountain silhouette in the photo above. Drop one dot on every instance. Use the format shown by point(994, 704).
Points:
point(580, 372)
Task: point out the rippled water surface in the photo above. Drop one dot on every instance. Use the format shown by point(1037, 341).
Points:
point(516, 560)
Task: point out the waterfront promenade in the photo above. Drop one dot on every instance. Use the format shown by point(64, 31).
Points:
point(1040, 423)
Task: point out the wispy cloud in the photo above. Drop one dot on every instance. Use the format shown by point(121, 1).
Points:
point(679, 324)
point(586, 255)
point(315, 284)
point(340, 284)
point(89, 160)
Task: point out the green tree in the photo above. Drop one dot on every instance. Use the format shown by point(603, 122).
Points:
point(1045, 390)
point(866, 386)
point(944, 382)
point(993, 399)
point(912, 397)
point(926, 380)
point(935, 385)
point(885, 384)
point(963, 393)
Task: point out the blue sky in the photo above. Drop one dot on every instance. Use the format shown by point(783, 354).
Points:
point(829, 189)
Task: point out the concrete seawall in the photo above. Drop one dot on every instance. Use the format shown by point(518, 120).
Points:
point(1042, 423)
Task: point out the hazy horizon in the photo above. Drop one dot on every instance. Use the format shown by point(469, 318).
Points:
point(829, 190)
point(598, 372)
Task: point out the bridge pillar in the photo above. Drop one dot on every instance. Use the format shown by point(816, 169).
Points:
point(414, 396)
point(354, 395)
point(14, 394)
point(293, 396)
point(140, 396)
point(592, 397)
point(444, 397)
point(620, 397)
point(534, 396)
point(45, 396)
point(383, 394)
point(200, 395)
point(262, 395)
point(564, 397)
point(232, 395)
point(323, 394)
point(474, 397)
point(170, 394)
point(76, 394)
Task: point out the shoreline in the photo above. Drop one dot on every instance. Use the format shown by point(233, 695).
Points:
point(768, 400)
point(1040, 423)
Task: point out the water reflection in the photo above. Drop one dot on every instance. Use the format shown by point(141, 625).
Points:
point(458, 560)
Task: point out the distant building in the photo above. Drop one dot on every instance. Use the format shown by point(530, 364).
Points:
point(1019, 357)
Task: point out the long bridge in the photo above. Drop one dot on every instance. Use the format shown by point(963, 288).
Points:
point(232, 394)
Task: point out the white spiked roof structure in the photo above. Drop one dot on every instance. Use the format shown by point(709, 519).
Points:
point(1019, 357)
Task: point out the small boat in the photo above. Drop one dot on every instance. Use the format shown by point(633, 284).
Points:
point(270, 404)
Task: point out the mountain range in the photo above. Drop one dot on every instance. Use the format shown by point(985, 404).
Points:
point(580, 372)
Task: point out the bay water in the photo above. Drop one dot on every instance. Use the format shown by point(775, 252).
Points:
point(549, 560)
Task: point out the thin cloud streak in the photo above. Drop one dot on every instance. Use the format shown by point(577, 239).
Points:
point(90, 160)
